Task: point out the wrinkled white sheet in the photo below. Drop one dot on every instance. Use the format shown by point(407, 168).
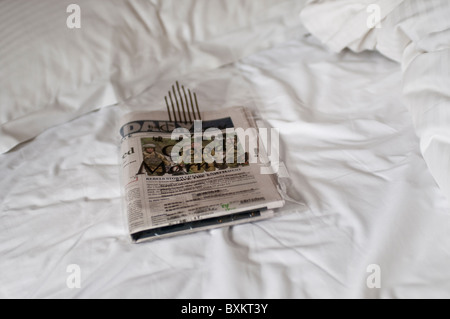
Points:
point(51, 74)
point(353, 157)
point(415, 33)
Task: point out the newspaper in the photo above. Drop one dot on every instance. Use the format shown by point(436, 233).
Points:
point(180, 177)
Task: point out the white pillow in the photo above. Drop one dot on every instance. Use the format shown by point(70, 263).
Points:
point(51, 73)
point(415, 33)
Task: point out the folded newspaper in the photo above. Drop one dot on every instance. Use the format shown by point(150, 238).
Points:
point(182, 176)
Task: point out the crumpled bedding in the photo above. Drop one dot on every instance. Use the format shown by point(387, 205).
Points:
point(414, 33)
point(353, 157)
point(54, 72)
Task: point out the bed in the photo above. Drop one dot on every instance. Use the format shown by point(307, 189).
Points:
point(363, 115)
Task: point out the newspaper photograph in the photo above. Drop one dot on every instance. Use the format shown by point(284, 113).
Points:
point(180, 177)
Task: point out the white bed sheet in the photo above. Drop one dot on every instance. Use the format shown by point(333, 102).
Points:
point(353, 157)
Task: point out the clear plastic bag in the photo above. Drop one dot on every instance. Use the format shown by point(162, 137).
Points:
point(239, 177)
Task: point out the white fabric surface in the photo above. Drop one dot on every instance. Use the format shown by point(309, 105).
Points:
point(415, 33)
point(51, 74)
point(353, 156)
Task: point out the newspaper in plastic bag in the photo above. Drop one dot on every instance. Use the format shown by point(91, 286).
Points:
point(185, 175)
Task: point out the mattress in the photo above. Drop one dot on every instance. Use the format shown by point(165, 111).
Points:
point(374, 223)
